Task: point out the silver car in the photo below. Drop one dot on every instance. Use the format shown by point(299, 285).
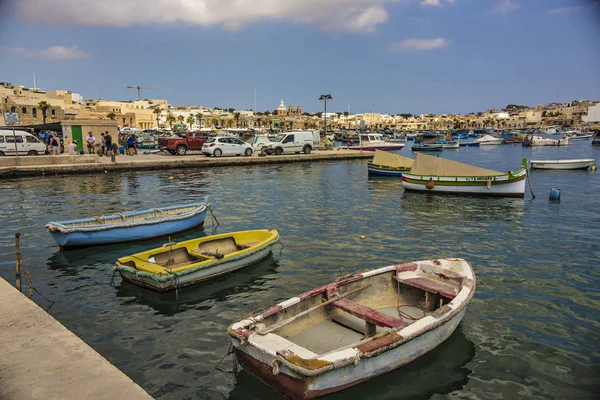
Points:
point(226, 146)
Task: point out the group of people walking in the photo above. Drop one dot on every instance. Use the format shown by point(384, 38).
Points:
point(104, 147)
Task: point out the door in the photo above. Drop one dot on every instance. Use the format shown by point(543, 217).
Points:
point(288, 144)
point(10, 144)
point(76, 135)
point(194, 141)
point(226, 146)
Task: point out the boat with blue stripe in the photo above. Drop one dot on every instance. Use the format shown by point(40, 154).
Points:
point(128, 226)
point(388, 164)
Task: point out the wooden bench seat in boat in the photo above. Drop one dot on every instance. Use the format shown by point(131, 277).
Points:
point(432, 286)
point(372, 317)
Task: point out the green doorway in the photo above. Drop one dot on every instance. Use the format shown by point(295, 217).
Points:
point(76, 135)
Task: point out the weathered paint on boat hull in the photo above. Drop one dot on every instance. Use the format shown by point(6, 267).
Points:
point(195, 277)
point(297, 387)
point(391, 147)
point(124, 234)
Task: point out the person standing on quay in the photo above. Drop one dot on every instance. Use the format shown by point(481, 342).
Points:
point(130, 144)
point(55, 145)
point(102, 144)
point(91, 140)
point(73, 148)
point(108, 144)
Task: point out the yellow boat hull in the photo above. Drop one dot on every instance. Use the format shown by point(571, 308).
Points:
point(176, 265)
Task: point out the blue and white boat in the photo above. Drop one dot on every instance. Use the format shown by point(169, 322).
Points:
point(388, 164)
point(128, 226)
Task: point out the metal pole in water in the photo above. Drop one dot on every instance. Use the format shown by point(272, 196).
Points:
point(16, 149)
point(18, 264)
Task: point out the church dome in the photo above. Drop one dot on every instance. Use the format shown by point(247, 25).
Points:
point(281, 106)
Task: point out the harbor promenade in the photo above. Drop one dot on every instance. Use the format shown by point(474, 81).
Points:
point(41, 359)
point(83, 164)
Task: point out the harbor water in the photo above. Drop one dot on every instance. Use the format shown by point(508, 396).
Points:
point(531, 331)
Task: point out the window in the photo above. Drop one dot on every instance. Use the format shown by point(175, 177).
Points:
point(1, 139)
point(31, 139)
point(53, 112)
point(34, 112)
point(24, 110)
point(288, 139)
point(13, 109)
point(11, 139)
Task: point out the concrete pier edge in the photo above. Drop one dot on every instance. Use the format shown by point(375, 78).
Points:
point(41, 359)
point(175, 162)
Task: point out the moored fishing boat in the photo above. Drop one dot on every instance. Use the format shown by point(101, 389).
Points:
point(355, 329)
point(535, 140)
point(175, 265)
point(128, 226)
point(439, 175)
point(372, 142)
point(583, 163)
point(596, 140)
point(427, 147)
point(451, 144)
point(488, 140)
point(580, 136)
point(388, 164)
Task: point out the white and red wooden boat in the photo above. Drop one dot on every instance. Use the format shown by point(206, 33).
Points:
point(357, 328)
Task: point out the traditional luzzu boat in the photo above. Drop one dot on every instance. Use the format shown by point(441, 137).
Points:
point(583, 163)
point(355, 329)
point(175, 265)
point(439, 175)
point(427, 147)
point(388, 164)
point(128, 226)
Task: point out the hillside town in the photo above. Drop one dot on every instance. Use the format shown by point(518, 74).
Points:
point(37, 107)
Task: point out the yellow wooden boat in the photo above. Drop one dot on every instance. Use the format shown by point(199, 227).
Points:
point(181, 264)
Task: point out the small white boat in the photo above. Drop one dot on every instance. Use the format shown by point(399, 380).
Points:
point(372, 142)
point(439, 175)
point(488, 140)
point(354, 329)
point(583, 163)
point(534, 140)
point(453, 144)
point(581, 136)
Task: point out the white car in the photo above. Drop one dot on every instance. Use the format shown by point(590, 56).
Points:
point(226, 146)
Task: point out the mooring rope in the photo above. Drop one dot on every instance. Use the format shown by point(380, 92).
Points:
point(529, 181)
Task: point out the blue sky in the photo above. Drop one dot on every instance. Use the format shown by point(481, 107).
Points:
point(415, 56)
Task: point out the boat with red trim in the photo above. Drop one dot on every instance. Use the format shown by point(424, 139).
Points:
point(354, 329)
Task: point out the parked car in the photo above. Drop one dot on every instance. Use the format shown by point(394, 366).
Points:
point(226, 146)
point(26, 143)
point(293, 142)
point(180, 144)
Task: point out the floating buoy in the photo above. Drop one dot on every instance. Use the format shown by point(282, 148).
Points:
point(170, 178)
point(362, 236)
point(430, 184)
point(555, 194)
point(593, 167)
point(105, 171)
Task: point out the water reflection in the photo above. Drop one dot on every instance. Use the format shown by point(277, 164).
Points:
point(459, 208)
point(251, 279)
point(440, 371)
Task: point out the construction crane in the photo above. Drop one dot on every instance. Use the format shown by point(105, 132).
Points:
point(139, 89)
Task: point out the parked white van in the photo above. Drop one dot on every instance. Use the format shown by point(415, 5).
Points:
point(293, 142)
point(27, 144)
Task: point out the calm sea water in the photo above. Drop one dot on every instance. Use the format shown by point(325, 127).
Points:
point(532, 330)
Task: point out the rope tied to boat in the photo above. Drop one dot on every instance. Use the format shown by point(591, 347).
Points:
point(213, 215)
point(529, 181)
point(275, 366)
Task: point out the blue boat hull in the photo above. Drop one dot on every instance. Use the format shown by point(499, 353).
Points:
point(384, 170)
point(127, 234)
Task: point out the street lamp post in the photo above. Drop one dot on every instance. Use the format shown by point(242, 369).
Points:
point(325, 97)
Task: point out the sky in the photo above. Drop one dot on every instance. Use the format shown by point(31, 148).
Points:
point(387, 56)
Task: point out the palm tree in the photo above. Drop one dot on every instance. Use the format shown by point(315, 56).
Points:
point(111, 115)
point(190, 120)
point(180, 118)
point(237, 119)
point(199, 118)
point(170, 119)
point(43, 105)
point(215, 122)
point(229, 123)
point(157, 111)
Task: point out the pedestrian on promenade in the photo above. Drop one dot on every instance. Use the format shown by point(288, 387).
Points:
point(102, 144)
point(55, 145)
point(49, 142)
point(108, 144)
point(130, 144)
point(135, 145)
point(73, 148)
point(91, 141)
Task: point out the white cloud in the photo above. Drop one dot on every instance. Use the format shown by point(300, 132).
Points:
point(574, 9)
point(51, 53)
point(435, 3)
point(349, 15)
point(504, 7)
point(419, 45)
